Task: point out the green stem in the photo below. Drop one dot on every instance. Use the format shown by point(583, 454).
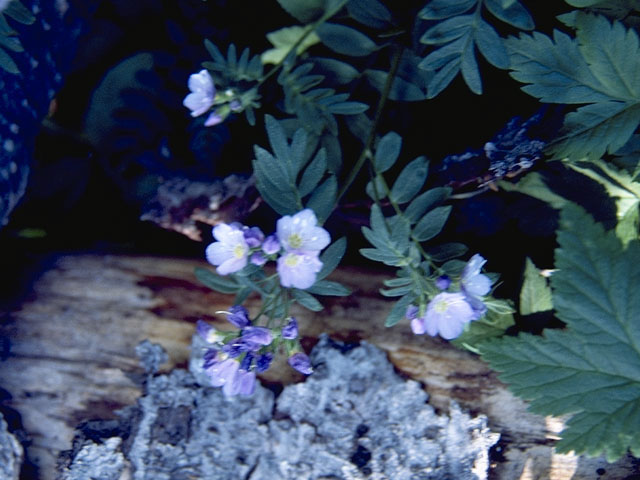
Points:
point(366, 151)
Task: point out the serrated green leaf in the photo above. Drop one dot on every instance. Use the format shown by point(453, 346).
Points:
point(513, 14)
point(331, 257)
point(431, 224)
point(533, 184)
point(284, 39)
point(439, 9)
point(628, 226)
point(399, 310)
point(387, 152)
point(323, 199)
point(535, 295)
point(346, 40)
point(491, 325)
point(410, 180)
point(425, 201)
point(216, 282)
point(307, 300)
point(328, 288)
point(597, 68)
point(592, 368)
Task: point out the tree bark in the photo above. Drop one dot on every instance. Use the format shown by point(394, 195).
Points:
point(72, 356)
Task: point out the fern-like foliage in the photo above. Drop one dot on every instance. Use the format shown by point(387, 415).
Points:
point(600, 68)
point(315, 107)
point(592, 368)
point(9, 40)
point(457, 29)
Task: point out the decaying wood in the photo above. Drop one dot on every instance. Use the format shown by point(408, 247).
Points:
point(72, 357)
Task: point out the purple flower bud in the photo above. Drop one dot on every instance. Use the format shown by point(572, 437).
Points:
point(235, 348)
point(263, 362)
point(238, 316)
point(271, 245)
point(246, 362)
point(443, 282)
point(290, 330)
point(301, 363)
point(256, 337)
point(235, 105)
point(253, 236)
point(210, 357)
point(213, 119)
point(412, 312)
point(258, 258)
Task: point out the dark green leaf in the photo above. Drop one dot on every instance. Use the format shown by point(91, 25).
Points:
point(336, 71)
point(371, 13)
point(439, 9)
point(386, 257)
point(216, 282)
point(514, 14)
point(410, 180)
point(447, 251)
point(399, 310)
point(470, 72)
point(242, 295)
point(377, 222)
point(323, 199)
point(443, 78)
point(387, 152)
point(401, 89)
point(348, 108)
point(19, 12)
point(328, 288)
point(398, 282)
point(313, 173)
point(491, 45)
point(448, 30)
point(491, 325)
point(306, 300)
point(345, 40)
point(425, 201)
point(379, 193)
point(331, 144)
point(7, 63)
point(278, 141)
point(396, 292)
point(331, 257)
point(431, 224)
point(304, 10)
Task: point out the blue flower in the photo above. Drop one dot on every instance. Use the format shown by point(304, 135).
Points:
point(271, 245)
point(300, 233)
point(298, 270)
point(202, 94)
point(301, 363)
point(446, 315)
point(238, 316)
point(290, 330)
point(256, 337)
point(222, 371)
point(258, 258)
point(253, 236)
point(475, 285)
point(230, 252)
point(243, 383)
point(227, 373)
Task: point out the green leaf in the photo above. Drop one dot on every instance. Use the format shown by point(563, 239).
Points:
point(597, 68)
point(491, 46)
point(336, 71)
point(19, 12)
point(425, 201)
point(592, 368)
point(7, 63)
point(533, 184)
point(347, 108)
point(387, 152)
point(491, 325)
point(331, 257)
point(410, 180)
point(401, 89)
point(216, 282)
point(397, 291)
point(328, 288)
point(284, 39)
point(535, 295)
point(439, 9)
point(307, 300)
point(431, 224)
point(513, 14)
point(447, 251)
point(313, 173)
point(448, 30)
point(346, 40)
point(304, 11)
point(323, 199)
point(379, 192)
point(280, 146)
point(399, 310)
point(371, 13)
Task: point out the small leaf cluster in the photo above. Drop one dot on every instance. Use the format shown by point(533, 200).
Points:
point(456, 28)
point(9, 40)
point(292, 177)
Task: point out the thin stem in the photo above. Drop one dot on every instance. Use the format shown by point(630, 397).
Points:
point(366, 151)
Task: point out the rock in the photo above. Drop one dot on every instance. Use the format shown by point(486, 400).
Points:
point(354, 418)
point(11, 453)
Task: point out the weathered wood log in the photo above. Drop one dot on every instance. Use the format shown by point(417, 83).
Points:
point(72, 357)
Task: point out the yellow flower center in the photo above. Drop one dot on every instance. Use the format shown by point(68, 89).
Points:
point(441, 306)
point(292, 260)
point(238, 251)
point(295, 240)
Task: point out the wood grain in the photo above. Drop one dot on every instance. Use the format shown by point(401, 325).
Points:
point(72, 356)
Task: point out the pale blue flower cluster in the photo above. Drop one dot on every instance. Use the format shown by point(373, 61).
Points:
point(234, 358)
point(204, 97)
point(448, 313)
point(298, 241)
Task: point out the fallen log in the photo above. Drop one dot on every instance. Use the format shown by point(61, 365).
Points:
point(71, 357)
